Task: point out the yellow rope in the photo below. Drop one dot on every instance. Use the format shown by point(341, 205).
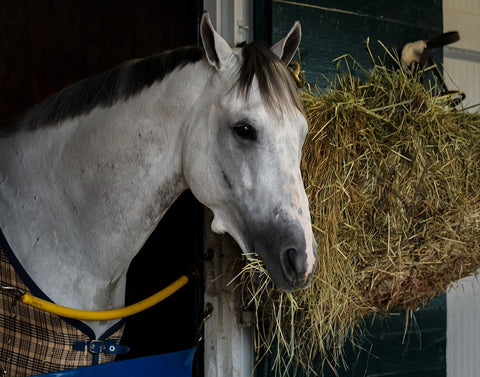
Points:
point(105, 315)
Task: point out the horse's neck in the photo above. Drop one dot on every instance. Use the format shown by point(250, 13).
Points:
point(78, 200)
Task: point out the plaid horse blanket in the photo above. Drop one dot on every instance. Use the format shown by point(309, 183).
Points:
point(35, 342)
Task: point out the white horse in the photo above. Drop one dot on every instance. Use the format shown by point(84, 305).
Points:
point(86, 175)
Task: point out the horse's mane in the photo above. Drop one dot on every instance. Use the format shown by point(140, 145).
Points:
point(127, 79)
point(104, 89)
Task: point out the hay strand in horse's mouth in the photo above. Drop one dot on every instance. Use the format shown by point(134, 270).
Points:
point(393, 179)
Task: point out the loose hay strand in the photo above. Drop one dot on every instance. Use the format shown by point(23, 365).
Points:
point(392, 176)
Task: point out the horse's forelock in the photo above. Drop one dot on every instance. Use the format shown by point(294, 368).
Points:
point(276, 85)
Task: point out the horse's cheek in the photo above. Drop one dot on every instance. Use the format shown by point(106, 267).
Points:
point(200, 171)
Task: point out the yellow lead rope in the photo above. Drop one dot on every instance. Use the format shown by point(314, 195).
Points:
point(105, 315)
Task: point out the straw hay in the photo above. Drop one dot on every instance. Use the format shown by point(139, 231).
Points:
point(393, 179)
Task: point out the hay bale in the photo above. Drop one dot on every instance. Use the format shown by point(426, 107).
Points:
point(393, 179)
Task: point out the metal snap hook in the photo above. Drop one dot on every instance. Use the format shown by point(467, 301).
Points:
point(8, 288)
point(14, 292)
point(206, 315)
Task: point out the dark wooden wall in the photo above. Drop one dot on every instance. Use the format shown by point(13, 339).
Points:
point(332, 28)
point(47, 45)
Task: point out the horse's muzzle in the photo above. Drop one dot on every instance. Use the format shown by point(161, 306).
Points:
point(291, 272)
point(287, 257)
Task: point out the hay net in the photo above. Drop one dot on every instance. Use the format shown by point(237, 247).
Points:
point(393, 179)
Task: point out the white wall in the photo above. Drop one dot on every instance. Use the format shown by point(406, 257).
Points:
point(463, 329)
point(462, 59)
point(462, 70)
point(232, 19)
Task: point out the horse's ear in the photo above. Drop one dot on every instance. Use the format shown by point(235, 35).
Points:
point(216, 48)
point(286, 48)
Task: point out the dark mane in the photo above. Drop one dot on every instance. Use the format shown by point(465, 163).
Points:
point(275, 81)
point(125, 80)
point(104, 89)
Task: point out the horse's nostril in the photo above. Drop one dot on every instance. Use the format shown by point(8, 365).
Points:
point(292, 258)
point(294, 265)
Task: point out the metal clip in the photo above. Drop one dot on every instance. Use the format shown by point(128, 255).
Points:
point(299, 75)
point(95, 346)
point(16, 291)
point(206, 315)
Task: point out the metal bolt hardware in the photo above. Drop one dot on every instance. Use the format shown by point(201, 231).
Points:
point(206, 315)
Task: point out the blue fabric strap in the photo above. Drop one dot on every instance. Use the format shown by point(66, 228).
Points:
point(178, 364)
point(100, 346)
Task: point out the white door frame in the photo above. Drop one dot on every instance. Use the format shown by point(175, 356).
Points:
point(229, 349)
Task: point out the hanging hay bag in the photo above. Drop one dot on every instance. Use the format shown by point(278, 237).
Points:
point(392, 173)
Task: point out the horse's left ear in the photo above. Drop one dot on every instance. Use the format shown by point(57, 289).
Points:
point(216, 48)
point(285, 49)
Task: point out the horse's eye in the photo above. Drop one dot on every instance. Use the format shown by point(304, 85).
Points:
point(245, 131)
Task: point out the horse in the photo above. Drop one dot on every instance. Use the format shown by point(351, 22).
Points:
point(87, 174)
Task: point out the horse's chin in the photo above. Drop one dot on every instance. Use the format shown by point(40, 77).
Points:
point(283, 284)
point(218, 226)
point(287, 286)
point(280, 280)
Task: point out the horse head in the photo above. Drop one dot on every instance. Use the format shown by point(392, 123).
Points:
point(250, 131)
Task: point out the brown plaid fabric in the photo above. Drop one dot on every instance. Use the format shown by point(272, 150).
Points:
point(33, 341)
